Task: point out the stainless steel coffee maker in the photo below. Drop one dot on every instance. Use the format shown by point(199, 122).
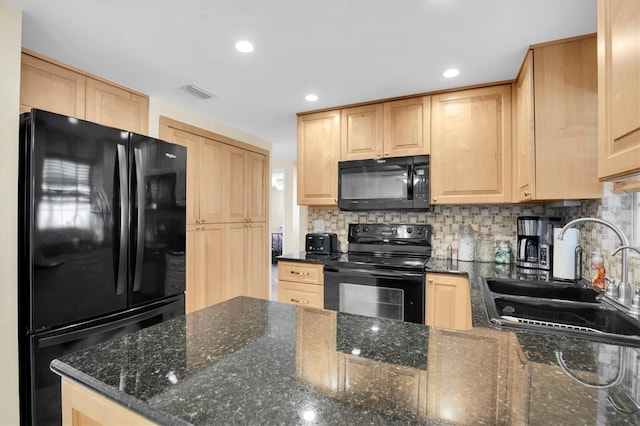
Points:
point(535, 241)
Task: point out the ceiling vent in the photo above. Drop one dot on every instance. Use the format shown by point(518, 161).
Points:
point(198, 92)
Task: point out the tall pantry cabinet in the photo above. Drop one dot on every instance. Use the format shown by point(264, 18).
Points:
point(227, 252)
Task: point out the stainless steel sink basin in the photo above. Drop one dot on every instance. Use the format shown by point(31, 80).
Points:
point(543, 290)
point(562, 308)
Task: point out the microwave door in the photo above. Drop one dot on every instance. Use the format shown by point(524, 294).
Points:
point(379, 187)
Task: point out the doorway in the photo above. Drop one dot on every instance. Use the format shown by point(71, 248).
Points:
point(277, 221)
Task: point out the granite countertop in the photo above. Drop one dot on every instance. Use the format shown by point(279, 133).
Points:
point(251, 361)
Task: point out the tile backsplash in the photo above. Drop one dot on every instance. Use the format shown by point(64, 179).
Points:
point(500, 222)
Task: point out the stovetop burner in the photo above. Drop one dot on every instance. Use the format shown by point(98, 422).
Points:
point(404, 247)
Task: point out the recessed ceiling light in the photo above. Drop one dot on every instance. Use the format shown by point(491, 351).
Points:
point(452, 72)
point(244, 46)
point(311, 97)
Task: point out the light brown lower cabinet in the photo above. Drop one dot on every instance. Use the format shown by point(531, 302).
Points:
point(205, 266)
point(464, 389)
point(301, 284)
point(83, 407)
point(316, 356)
point(448, 301)
point(380, 384)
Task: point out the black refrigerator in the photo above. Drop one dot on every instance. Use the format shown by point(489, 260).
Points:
point(102, 227)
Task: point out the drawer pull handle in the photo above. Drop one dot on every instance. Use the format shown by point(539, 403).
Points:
point(299, 273)
point(304, 302)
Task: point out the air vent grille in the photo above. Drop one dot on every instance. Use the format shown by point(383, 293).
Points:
point(197, 91)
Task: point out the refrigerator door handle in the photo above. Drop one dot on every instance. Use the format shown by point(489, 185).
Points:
point(137, 275)
point(121, 268)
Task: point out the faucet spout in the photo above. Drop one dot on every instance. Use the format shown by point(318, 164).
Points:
point(623, 240)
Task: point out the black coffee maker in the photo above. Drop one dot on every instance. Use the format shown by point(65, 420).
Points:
point(535, 241)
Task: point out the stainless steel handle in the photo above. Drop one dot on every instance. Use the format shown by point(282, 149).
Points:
point(121, 279)
point(137, 275)
point(303, 302)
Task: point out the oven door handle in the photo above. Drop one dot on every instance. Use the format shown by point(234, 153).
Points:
point(373, 273)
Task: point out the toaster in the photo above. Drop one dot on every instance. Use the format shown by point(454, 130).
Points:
point(321, 243)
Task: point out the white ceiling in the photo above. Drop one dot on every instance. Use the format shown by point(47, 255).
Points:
point(345, 51)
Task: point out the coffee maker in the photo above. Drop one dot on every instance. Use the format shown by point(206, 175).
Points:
point(535, 241)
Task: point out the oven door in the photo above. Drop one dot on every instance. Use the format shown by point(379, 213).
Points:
point(377, 293)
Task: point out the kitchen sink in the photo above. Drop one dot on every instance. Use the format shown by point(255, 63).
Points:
point(562, 308)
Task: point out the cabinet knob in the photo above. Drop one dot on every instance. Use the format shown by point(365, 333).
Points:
point(527, 193)
point(430, 280)
point(434, 199)
point(386, 154)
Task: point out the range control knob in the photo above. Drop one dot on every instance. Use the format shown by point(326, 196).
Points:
point(356, 229)
point(409, 230)
point(365, 229)
point(419, 231)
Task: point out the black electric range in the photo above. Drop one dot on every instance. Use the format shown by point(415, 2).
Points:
point(382, 274)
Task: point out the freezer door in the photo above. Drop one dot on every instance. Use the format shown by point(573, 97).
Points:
point(73, 220)
point(158, 219)
point(40, 387)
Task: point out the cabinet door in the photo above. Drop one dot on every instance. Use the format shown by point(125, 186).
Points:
point(256, 186)
point(316, 355)
point(361, 380)
point(82, 406)
point(463, 389)
point(318, 155)
point(301, 272)
point(362, 132)
point(523, 143)
point(192, 143)
point(236, 190)
point(50, 87)
point(311, 295)
point(566, 132)
point(618, 88)
point(236, 251)
point(448, 301)
point(112, 106)
point(471, 146)
point(212, 181)
point(256, 269)
point(205, 266)
point(407, 127)
point(406, 388)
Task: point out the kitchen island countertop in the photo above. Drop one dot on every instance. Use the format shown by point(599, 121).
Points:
point(251, 361)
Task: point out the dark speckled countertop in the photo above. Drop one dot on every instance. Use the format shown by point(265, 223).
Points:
point(250, 361)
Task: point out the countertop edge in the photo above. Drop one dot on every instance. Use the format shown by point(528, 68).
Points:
point(154, 414)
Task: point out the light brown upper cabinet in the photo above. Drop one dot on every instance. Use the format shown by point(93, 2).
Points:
point(389, 129)
point(471, 146)
point(555, 130)
point(618, 88)
point(246, 174)
point(116, 107)
point(318, 156)
point(52, 86)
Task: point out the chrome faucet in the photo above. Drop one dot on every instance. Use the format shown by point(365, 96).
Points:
point(635, 302)
point(624, 289)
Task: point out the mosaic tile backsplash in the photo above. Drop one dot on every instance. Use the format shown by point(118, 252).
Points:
point(500, 222)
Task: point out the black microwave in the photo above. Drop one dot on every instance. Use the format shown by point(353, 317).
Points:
point(400, 183)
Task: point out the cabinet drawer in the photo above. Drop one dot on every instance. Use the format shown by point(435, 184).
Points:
point(301, 272)
point(301, 294)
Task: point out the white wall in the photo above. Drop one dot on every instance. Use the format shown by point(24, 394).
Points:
point(10, 42)
point(158, 107)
